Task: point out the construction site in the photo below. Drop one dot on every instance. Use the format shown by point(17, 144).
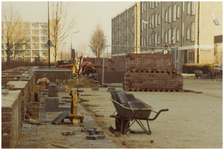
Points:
point(137, 101)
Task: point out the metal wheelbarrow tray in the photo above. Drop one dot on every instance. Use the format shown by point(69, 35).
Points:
point(129, 109)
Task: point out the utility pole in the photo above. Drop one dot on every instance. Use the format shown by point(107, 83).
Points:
point(49, 65)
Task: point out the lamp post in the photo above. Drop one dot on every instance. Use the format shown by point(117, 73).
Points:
point(64, 48)
point(71, 38)
point(49, 50)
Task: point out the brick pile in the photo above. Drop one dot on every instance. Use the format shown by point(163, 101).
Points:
point(114, 69)
point(114, 64)
point(151, 72)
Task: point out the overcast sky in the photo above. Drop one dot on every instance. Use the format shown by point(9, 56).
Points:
point(87, 15)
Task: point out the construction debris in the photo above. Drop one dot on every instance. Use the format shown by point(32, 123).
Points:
point(68, 133)
point(88, 129)
point(33, 121)
point(83, 82)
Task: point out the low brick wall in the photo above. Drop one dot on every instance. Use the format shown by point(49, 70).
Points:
point(11, 122)
point(115, 64)
point(111, 76)
point(53, 73)
point(14, 104)
point(25, 95)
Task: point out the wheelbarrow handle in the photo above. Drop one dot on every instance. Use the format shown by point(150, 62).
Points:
point(157, 114)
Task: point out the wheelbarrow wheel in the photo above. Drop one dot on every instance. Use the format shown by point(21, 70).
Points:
point(119, 127)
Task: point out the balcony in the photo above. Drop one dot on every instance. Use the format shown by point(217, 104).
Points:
point(44, 25)
point(43, 46)
point(35, 39)
point(26, 25)
point(35, 32)
point(44, 39)
point(35, 25)
point(44, 32)
point(35, 46)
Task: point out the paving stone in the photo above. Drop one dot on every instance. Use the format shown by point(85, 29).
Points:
point(95, 137)
point(95, 89)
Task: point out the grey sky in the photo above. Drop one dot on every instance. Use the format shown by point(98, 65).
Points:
point(87, 13)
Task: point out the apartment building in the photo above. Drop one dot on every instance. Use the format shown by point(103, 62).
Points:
point(36, 36)
point(188, 27)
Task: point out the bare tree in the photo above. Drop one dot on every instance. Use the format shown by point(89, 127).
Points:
point(98, 41)
point(60, 25)
point(13, 33)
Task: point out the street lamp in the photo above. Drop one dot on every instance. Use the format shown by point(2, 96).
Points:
point(71, 37)
point(64, 48)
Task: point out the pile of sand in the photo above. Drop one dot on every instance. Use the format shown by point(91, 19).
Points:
point(86, 83)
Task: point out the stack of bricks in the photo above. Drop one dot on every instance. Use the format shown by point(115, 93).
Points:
point(114, 69)
point(151, 72)
point(110, 64)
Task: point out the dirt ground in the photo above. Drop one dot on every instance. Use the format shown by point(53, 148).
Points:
point(193, 120)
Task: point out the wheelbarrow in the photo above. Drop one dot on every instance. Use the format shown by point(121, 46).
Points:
point(130, 110)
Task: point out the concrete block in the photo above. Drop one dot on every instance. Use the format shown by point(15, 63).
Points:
point(51, 104)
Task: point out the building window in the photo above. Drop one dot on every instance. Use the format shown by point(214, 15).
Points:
point(158, 19)
point(152, 4)
point(178, 35)
point(169, 36)
point(193, 8)
point(153, 21)
point(188, 7)
point(174, 12)
point(142, 26)
point(183, 29)
point(174, 36)
point(166, 38)
point(150, 41)
point(142, 41)
point(158, 38)
point(155, 39)
point(192, 31)
point(166, 16)
point(188, 33)
point(170, 14)
point(178, 11)
point(156, 3)
point(191, 56)
point(156, 15)
point(183, 6)
point(142, 7)
point(150, 22)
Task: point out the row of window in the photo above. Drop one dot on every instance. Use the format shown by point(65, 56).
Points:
point(24, 24)
point(154, 21)
point(169, 37)
point(190, 7)
point(27, 46)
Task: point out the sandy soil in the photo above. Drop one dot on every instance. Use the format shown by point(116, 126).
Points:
point(193, 120)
